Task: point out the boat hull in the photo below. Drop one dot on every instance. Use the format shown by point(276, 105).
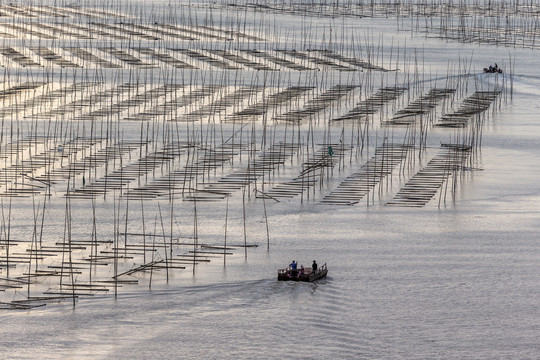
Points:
point(294, 275)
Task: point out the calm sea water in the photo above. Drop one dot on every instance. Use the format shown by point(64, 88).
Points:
point(457, 281)
point(421, 284)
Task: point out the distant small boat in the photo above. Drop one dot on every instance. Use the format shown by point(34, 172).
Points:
point(309, 275)
point(492, 71)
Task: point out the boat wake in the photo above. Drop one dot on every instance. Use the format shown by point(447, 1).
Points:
point(526, 85)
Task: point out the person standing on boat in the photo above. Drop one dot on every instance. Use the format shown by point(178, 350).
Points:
point(314, 266)
point(293, 272)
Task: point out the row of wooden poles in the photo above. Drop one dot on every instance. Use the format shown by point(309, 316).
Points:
point(75, 144)
point(383, 8)
point(494, 23)
point(108, 38)
point(143, 139)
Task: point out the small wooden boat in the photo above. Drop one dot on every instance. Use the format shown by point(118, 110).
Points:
point(308, 275)
point(493, 71)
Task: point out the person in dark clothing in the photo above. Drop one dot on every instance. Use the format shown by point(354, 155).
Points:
point(293, 265)
point(314, 266)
